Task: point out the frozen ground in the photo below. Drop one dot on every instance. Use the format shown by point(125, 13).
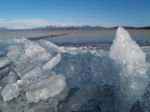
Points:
point(39, 76)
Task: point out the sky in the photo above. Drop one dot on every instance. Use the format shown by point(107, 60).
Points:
point(107, 13)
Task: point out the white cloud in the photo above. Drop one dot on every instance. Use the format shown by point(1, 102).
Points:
point(29, 23)
point(23, 23)
point(2, 21)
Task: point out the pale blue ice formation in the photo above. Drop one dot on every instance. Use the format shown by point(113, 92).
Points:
point(39, 76)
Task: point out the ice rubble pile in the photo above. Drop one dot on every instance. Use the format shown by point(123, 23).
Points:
point(38, 76)
point(33, 64)
point(29, 71)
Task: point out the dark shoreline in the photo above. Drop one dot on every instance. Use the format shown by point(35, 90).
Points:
point(70, 31)
point(48, 36)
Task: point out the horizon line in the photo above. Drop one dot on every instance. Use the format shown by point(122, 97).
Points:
point(78, 26)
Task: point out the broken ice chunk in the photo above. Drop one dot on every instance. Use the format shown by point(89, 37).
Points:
point(125, 50)
point(50, 47)
point(33, 49)
point(46, 88)
point(131, 68)
point(10, 91)
point(52, 63)
point(45, 56)
point(32, 76)
point(24, 65)
point(36, 52)
point(15, 52)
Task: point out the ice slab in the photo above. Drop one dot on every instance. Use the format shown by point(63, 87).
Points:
point(33, 49)
point(10, 91)
point(52, 63)
point(46, 88)
point(15, 52)
point(131, 69)
point(28, 54)
point(50, 47)
point(126, 51)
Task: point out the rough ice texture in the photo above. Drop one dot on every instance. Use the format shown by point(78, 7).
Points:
point(14, 52)
point(10, 91)
point(32, 64)
point(126, 51)
point(52, 63)
point(46, 88)
point(81, 99)
point(132, 69)
point(39, 76)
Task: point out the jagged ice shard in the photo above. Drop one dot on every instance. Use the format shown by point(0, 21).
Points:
point(131, 67)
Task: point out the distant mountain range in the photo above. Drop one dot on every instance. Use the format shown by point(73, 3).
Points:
point(88, 26)
point(81, 27)
point(3, 28)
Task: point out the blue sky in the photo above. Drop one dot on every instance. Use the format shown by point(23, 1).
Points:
point(35, 13)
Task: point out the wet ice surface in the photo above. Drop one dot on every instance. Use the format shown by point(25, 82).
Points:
point(38, 76)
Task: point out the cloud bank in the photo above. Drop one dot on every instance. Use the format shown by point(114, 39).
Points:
point(29, 23)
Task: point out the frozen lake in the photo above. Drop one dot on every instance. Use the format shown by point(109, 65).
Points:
point(74, 36)
point(101, 38)
point(103, 35)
